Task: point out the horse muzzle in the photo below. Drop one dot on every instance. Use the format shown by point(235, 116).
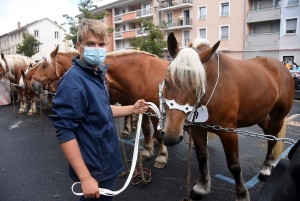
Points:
point(170, 140)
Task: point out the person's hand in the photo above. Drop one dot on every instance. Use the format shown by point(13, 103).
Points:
point(140, 107)
point(90, 188)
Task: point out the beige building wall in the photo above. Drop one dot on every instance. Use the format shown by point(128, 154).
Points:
point(235, 20)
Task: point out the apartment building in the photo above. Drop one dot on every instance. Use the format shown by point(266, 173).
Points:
point(246, 28)
point(49, 33)
point(273, 29)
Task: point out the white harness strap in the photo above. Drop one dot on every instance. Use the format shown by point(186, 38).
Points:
point(173, 105)
point(108, 192)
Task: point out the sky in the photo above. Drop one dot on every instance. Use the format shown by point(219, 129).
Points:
point(27, 11)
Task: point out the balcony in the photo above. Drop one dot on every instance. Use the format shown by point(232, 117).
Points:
point(144, 12)
point(123, 48)
point(177, 24)
point(167, 5)
point(131, 16)
point(141, 32)
point(263, 14)
point(262, 41)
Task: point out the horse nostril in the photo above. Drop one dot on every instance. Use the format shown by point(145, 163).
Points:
point(181, 137)
point(32, 85)
point(162, 133)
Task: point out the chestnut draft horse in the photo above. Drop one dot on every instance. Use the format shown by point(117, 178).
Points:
point(236, 93)
point(130, 74)
point(11, 67)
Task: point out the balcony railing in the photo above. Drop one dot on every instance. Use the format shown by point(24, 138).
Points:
point(118, 34)
point(118, 18)
point(292, 2)
point(264, 8)
point(142, 12)
point(140, 31)
point(170, 3)
point(177, 23)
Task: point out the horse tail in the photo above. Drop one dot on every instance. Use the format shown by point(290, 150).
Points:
point(279, 145)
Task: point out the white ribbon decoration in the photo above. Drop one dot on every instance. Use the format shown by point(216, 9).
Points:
point(108, 192)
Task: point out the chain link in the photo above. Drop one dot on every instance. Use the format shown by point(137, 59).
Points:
point(244, 132)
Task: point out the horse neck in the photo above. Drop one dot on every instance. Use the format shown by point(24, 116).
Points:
point(128, 72)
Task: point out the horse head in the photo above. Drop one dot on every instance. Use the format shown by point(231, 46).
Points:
point(46, 72)
point(183, 85)
point(3, 66)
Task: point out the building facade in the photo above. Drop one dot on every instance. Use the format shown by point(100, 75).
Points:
point(246, 28)
point(49, 33)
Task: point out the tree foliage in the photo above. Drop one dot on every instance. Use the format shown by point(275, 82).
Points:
point(154, 41)
point(85, 7)
point(29, 45)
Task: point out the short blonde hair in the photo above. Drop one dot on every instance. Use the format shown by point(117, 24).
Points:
point(93, 26)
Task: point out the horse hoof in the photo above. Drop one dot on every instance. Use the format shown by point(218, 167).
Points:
point(159, 165)
point(195, 196)
point(21, 111)
point(262, 177)
point(133, 128)
point(124, 134)
point(145, 154)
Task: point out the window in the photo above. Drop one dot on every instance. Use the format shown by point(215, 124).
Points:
point(202, 12)
point(292, 2)
point(56, 34)
point(169, 19)
point(289, 59)
point(257, 5)
point(202, 33)
point(186, 38)
point(36, 33)
point(256, 28)
point(38, 48)
point(225, 9)
point(224, 32)
point(291, 26)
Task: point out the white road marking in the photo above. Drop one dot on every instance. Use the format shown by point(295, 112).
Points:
point(15, 125)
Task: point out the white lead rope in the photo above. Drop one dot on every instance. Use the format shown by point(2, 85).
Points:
point(108, 192)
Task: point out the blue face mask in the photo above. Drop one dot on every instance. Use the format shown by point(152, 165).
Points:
point(94, 56)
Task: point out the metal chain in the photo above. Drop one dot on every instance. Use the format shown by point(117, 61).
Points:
point(243, 132)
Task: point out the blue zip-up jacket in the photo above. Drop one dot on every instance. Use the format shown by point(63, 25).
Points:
point(81, 110)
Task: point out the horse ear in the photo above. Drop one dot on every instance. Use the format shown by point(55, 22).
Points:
point(54, 52)
point(2, 56)
point(172, 45)
point(205, 55)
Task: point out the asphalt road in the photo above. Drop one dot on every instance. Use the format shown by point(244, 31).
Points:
point(33, 167)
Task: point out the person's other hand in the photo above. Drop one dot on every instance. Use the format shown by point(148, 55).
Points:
point(140, 107)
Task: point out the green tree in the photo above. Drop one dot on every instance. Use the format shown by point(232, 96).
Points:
point(154, 41)
point(29, 45)
point(85, 7)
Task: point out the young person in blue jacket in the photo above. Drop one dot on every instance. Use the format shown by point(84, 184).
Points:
point(83, 116)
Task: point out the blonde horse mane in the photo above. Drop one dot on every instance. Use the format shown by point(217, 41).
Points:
point(49, 59)
point(187, 68)
point(126, 52)
point(16, 60)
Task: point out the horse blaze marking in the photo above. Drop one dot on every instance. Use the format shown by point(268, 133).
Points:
point(252, 182)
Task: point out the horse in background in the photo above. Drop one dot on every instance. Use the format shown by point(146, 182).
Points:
point(237, 93)
point(12, 65)
point(135, 74)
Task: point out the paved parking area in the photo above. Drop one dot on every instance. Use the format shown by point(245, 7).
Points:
point(33, 166)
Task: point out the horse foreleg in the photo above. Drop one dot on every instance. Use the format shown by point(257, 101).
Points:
point(230, 145)
point(133, 121)
point(23, 105)
point(147, 152)
point(33, 109)
point(127, 127)
point(271, 128)
point(162, 158)
point(202, 187)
